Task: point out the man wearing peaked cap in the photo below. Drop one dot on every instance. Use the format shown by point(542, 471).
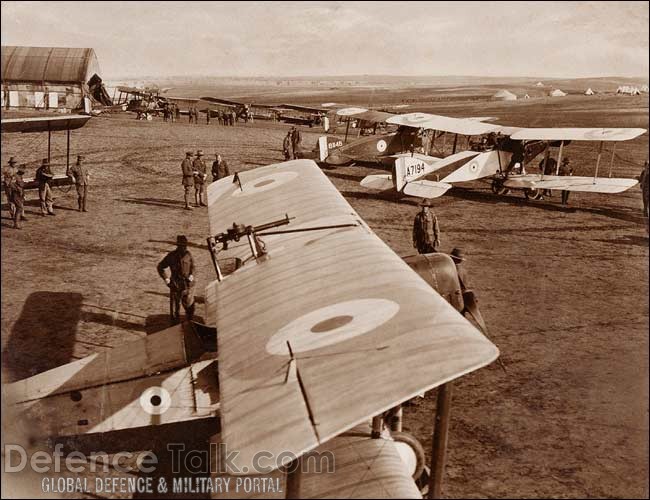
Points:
point(8, 175)
point(81, 176)
point(188, 175)
point(18, 197)
point(200, 174)
point(426, 230)
point(43, 177)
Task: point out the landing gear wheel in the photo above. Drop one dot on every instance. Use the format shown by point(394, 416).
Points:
point(499, 188)
point(409, 439)
point(533, 194)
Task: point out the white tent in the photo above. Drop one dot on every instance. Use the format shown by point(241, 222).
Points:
point(644, 88)
point(628, 90)
point(589, 91)
point(539, 84)
point(557, 93)
point(505, 95)
point(526, 96)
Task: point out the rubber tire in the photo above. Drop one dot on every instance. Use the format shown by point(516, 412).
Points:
point(533, 194)
point(416, 446)
point(498, 188)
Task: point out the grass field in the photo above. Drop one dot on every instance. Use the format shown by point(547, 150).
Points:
point(564, 291)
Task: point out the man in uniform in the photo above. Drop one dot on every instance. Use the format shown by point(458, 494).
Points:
point(43, 178)
point(426, 230)
point(81, 177)
point(458, 257)
point(296, 138)
point(565, 169)
point(188, 177)
point(8, 175)
point(17, 197)
point(181, 281)
point(287, 146)
point(547, 167)
point(219, 168)
point(199, 170)
point(644, 183)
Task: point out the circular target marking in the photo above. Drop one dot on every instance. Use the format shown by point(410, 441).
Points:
point(155, 400)
point(332, 324)
point(381, 145)
point(415, 118)
point(473, 166)
point(264, 183)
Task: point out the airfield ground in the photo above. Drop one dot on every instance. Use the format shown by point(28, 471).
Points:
point(564, 291)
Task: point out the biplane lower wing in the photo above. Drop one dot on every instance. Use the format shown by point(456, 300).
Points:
point(352, 465)
point(329, 328)
point(379, 182)
point(609, 185)
point(157, 380)
point(426, 189)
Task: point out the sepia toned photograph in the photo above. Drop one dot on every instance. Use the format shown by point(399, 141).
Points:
point(341, 249)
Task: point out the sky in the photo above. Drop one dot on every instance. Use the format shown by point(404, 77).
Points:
point(137, 39)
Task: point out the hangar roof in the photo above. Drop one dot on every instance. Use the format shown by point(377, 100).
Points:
point(48, 64)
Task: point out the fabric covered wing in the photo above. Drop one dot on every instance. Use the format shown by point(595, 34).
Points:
point(463, 126)
point(609, 185)
point(43, 124)
point(366, 331)
point(578, 134)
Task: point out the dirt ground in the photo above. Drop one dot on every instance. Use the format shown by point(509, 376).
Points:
point(564, 291)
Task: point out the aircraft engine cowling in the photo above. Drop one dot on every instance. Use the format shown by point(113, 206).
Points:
point(439, 271)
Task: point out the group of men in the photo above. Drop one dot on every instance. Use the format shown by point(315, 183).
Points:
point(171, 113)
point(228, 118)
point(15, 187)
point(291, 143)
point(195, 175)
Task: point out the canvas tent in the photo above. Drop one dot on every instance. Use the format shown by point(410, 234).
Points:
point(628, 90)
point(589, 91)
point(644, 88)
point(557, 93)
point(539, 84)
point(55, 78)
point(505, 95)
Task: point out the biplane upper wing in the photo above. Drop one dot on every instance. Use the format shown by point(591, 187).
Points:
point(329, 328)
point(44, 123)
point(228, 102)
point(609, 185)
point(306, 109)
point(578, 134)
point(364, 114)
point(463, 126)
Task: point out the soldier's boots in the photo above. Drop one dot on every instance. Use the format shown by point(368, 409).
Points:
point(190, 312)
point(84, 205)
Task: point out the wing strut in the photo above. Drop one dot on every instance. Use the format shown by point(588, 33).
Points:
point(600, 153)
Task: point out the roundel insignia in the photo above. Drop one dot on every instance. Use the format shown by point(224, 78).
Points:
point(264, 183)
point(155, 400)
point(331, 324)
point(473, 166)
point(381, 145)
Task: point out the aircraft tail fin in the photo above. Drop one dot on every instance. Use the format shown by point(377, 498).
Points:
point(327, 143)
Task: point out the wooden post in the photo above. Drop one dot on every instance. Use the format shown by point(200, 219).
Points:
point(377, 424)
point(49, 141)
point(559, 158)
point(67, 156)
point(611, 162)
point(294, 476)
point(439, 447)
point(600, 152)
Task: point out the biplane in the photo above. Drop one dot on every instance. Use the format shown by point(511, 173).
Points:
point(501, 154)
point(315, 333)
point(47, 124)
point(146, 102)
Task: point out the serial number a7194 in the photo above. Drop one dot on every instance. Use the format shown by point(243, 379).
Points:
point(416, 169)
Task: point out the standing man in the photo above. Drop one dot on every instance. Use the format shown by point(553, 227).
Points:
point(81, 177)
point(181, 281)
point(565, 169)
point(43, 178)
point(287, 147)
point(219, 168)
point(17, 197)
point(188, 177)
point(296, 138)
point(458, 257)
point(199, 169)
point(191, 114)
point(8, 175)
point(233, 118)
point(644, 183)
point(207, 116)
point(426, 230)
